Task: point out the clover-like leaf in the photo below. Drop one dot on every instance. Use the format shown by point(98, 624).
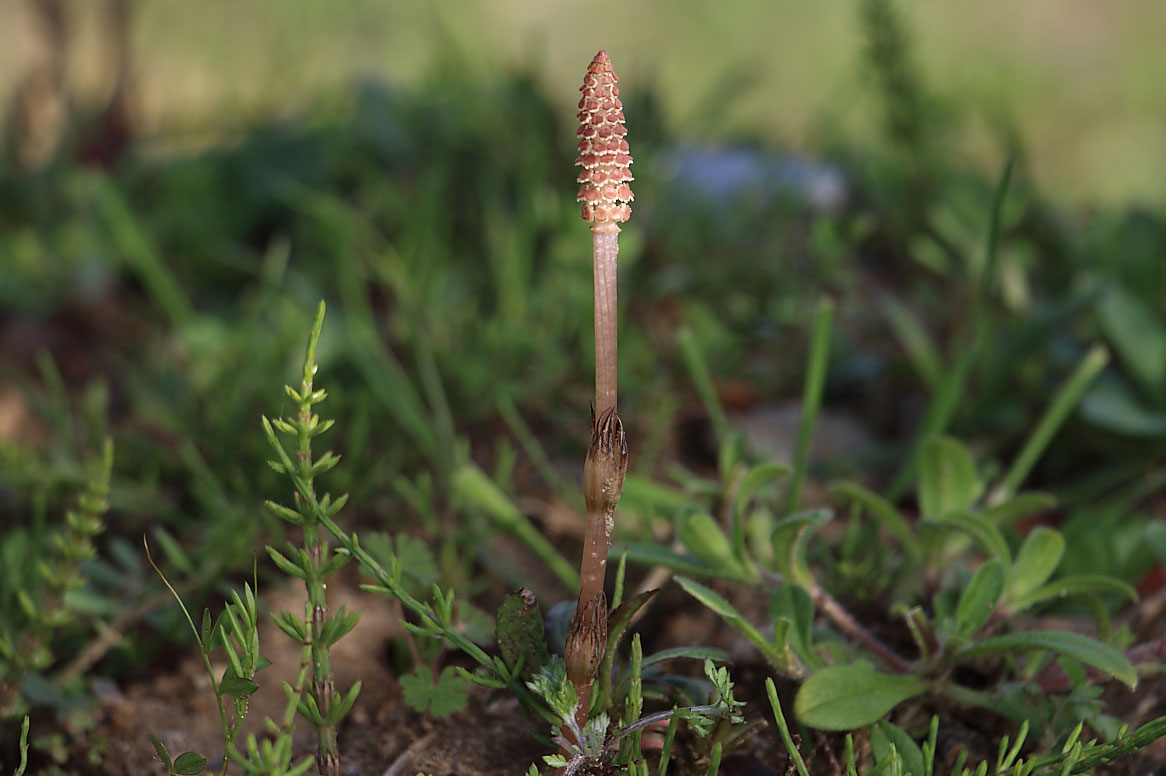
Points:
point(449, 694)
point(189, 764)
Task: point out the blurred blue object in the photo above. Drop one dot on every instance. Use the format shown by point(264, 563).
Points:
point(728, 174)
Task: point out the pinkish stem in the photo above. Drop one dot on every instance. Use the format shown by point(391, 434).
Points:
point(605, 239)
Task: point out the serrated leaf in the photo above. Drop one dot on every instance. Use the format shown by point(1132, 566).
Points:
point(417, 559)
point(1078, 584)
point(449, 694)
point(189, 764)
point(980, 597)
point(790, 537)
point(1036, 561)
point(853, 696)
point(947, 477)
point(985, 533)
point(886, 514)
point(1074, 645)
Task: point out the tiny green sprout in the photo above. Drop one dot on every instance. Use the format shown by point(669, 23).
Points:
point(551, 684)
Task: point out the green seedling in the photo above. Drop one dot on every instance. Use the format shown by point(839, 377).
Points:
point(314, 563)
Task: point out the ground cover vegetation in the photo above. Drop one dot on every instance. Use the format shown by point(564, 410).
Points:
point(969, 581)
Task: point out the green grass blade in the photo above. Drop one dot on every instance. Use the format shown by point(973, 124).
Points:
point(811, 398)
point(1062, 404)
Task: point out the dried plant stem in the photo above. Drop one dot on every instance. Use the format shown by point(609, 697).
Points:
point(850, 626)
point(605, 243)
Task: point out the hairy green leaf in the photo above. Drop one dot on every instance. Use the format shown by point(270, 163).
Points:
point(986, 534)
point(1081, 648)
point(1078, 584)
point(980, 597)
point(853, 696)
point(520, 633)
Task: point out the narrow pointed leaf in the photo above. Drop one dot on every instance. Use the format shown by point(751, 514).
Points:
point(980, 597)
point(887, 515)
point(985, 533)
point(783, 662)
point(1081, 648)
point(1078, 584)
point(703, 539)
point(790, 538)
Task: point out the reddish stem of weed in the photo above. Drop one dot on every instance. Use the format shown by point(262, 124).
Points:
point(605, 245)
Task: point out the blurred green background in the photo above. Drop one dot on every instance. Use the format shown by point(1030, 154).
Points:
point(1079, 83)
point(976, 186)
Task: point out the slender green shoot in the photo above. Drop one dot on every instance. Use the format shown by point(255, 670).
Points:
point(698, 372)
point(666, 748)
point(783, 728)
point(811, 399)
point(23, 748)
point(1056, 413)
point(991, 248)
point(715, 759)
